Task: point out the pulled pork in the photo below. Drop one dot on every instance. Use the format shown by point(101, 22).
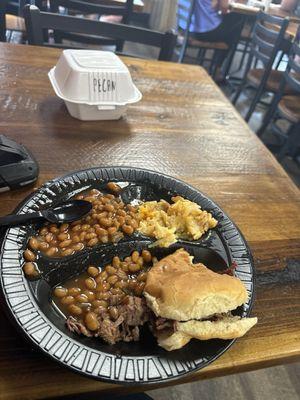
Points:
point(162, 326)
point(159, 325)
point(77, 327)
point(133, 313)
point(163, 323)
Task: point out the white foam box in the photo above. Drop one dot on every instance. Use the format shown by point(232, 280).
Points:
point(95, 85)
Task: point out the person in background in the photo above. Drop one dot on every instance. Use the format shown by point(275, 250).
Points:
point(212, 22)
point(292, 6)
point(289, 5)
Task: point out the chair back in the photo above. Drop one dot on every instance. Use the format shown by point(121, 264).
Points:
point(267, 38)
point(92, 7)
point(12, 7)
point(2, 21)
point(15, 7)
point(185, 10)
point(38, 22)
point(292, 73)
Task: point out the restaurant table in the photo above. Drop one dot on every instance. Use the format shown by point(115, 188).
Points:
point(185, 127)
point(240, 7)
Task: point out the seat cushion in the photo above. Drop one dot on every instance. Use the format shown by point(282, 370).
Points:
point(255, 76)
point(14, 23)
point(207, 45)
point(289, 108)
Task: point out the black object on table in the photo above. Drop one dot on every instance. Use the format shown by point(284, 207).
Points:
point(18, 167)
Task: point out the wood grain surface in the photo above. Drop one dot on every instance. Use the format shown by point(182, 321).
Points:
point(185, 127)
point(242, 7)
point(239, 8)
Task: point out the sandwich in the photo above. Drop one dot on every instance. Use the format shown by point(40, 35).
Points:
point(191, 301)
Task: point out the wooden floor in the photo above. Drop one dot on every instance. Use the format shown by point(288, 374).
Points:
point(277, 383)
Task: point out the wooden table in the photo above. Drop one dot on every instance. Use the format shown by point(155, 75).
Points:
point(184, 127)
point(241, 8)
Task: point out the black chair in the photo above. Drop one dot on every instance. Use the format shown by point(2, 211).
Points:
point(38, 22)
point(287, 106)
point(267, 39)
point(184, 17)
point(2, 21)
point(243, 46)
point(8, 7)
point(13, 11)
point(89, 7)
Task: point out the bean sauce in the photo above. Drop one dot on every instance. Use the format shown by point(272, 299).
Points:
point(103, 288)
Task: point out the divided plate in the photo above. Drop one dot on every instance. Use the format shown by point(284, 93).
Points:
point(29, 302)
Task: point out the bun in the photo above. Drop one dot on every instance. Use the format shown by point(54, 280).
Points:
point(174, 341)
point(180, 290)
point(225, 328)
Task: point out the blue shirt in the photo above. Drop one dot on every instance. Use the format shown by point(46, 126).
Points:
point(204, 19)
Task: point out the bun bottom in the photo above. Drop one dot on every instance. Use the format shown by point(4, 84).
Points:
point(174, 341)
point(226, 328)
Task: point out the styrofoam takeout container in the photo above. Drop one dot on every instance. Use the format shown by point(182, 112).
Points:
point(95, 85)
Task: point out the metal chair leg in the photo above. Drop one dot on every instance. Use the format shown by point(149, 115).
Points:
point(201, 56)
point(238, 92)
point(245, 52)
point(254, 102)
point(290, 141)
point(229, 59)
point(183, 48)
point(181, 55)
point(279, 60)
point(212, 62)
point(271, 112)
point(215, 63)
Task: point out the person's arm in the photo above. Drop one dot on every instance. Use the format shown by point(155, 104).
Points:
point(224, 6)
point(288, 5)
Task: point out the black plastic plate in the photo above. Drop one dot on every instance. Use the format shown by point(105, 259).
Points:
point(29, 302)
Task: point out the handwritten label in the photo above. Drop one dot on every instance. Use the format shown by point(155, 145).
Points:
point(104, 85)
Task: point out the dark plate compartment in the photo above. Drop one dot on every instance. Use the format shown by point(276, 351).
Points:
point(43, 288)
point(139, 362)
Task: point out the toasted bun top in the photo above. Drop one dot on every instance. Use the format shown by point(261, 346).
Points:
point(180, 290)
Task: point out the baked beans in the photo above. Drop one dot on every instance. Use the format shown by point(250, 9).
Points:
point(30, 270)
point(103, 288)
point(109, 220)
